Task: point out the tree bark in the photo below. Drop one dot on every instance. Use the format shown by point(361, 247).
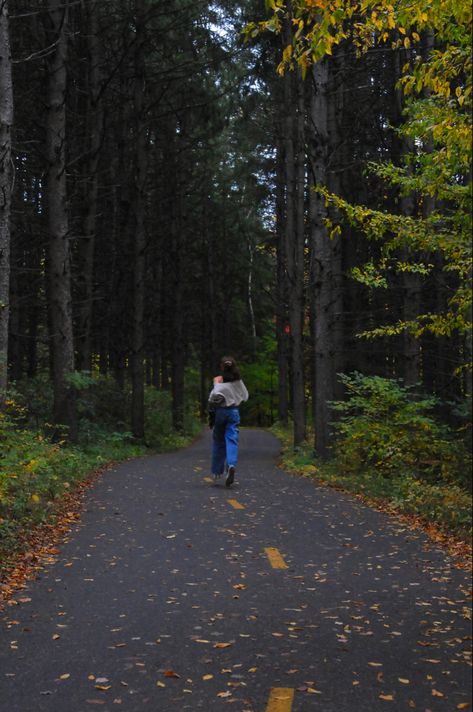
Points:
point(320, 263)
point(281, 292)
point(294, 179)
point(59, 268)
point(336, 158)
point(410, 282)
point(6, 180)
point(87, 244)
point(296, 302)
point(139, 237)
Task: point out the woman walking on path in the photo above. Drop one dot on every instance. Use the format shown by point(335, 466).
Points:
point(227, 394)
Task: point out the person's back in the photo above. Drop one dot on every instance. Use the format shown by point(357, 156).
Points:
point(227, 394)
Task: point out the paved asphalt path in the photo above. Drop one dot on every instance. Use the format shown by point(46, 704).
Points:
point(163, 570)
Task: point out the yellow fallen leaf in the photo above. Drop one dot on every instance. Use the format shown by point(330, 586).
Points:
point(463, 705)
point(437, 693)
point(388, 698)
point(66, 676)
point(56, 636)
point(170, 673)
point(224, 694)
point(103, 687)
point(313, 691)
point(207, 677)
point(404, 680)
point(201, 640)
point(253, 669)
point(160, 684)
point(355, 682)
point(222, 645)
point(376, 664)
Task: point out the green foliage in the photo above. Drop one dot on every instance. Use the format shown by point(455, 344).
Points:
point(390, 448)
point(437, 87)
point(261, 379)
point(35, 474)
point(160, 434)
point(384, 428)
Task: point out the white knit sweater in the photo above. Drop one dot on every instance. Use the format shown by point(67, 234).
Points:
point(226, 395)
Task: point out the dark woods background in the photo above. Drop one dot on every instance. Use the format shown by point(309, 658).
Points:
point(162, 215)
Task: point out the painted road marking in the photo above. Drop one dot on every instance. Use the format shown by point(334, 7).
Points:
point(280, 699)
point(275, 559)
point(236, 504)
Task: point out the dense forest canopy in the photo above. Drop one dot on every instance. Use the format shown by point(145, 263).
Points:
point(289, 184)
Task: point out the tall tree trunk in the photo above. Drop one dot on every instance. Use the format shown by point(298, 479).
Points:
point(296, 302)
point(6, 177)
point(139, 237)
point(320, 262)
point(254, 338)
point(87, 244)
point(177, 328)
point(336, 160)
point(294, 179)
point(410, 282)
point(282, 322)
point(59, 268)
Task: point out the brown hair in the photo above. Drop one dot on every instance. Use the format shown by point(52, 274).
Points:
point(229, 369)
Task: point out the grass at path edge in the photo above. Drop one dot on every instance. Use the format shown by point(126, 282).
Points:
point(442, 511)
point(47, 496)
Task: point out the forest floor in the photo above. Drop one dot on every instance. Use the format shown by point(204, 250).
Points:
point(173, 593)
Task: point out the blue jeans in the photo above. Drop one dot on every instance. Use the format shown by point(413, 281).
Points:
point(225, 439)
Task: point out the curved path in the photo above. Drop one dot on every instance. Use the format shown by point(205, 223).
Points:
point(167, 597)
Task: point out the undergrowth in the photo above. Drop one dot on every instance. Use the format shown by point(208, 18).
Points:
point(390, 447)
point(36, 474)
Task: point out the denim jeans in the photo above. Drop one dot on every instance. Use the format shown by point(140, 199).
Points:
point(225, 439)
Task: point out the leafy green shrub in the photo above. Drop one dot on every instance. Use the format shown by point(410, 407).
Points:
point(261, 379)
point(35, 474)
point(384, 428)
point(160, 434)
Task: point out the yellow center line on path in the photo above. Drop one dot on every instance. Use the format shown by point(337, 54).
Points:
point(236, 504)
point(275, 558)
point(280, 699)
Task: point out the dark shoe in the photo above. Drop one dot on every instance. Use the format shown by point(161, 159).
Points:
point(230, 476)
